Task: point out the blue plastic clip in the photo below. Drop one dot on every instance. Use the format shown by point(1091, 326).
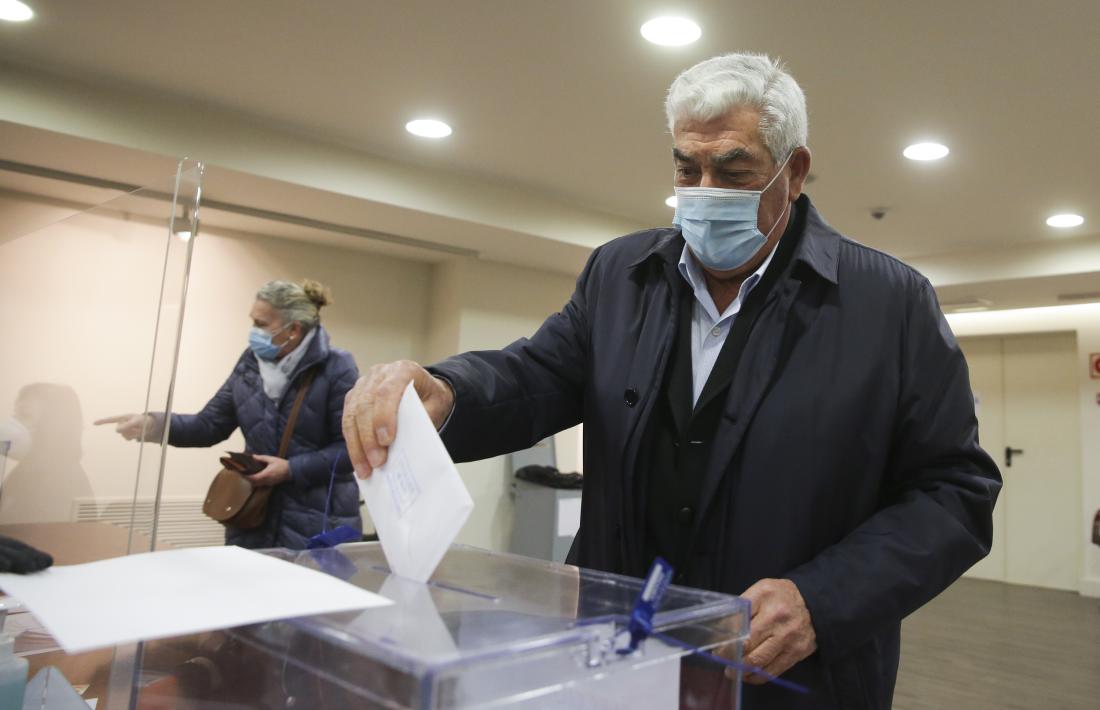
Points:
point(641, 627)
point(649, 600)
point(334, 537)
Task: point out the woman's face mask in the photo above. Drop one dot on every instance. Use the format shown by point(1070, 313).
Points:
point(260, 341)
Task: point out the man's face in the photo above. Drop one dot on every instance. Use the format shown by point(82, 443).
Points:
point(729, 152)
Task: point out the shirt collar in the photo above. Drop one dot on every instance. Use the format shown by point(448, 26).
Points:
point(693, 274)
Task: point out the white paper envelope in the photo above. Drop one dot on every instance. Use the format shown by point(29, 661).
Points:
point(417, 500)
point(412, 623)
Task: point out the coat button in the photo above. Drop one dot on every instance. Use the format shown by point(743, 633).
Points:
point(685, 515)
point(630, 397)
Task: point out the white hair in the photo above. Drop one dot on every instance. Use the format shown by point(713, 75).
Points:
point(713, 87)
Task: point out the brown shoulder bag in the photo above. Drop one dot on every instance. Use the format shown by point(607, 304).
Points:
point(232, 499)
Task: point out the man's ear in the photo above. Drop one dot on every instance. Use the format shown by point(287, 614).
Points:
point(799, 166)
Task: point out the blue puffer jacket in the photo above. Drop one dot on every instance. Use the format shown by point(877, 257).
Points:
point(297, 507)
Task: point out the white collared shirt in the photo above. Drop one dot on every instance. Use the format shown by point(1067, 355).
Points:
point(709, 329)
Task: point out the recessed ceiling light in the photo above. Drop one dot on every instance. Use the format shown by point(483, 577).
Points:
point(15, 11)
point(428, 128)
point(1064, 221)
point(671, 201)
point(671, 31)
point(926, 151)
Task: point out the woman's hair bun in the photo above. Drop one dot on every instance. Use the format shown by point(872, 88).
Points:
point(316, 292)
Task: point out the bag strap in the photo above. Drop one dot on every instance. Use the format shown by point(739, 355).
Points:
point(293, 418)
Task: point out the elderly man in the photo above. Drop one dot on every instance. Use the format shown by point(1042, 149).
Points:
point(779, 411)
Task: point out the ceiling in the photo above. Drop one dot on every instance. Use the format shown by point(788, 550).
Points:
point(564, 98)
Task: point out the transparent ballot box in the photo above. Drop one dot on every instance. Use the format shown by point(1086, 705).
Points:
point(489, 630)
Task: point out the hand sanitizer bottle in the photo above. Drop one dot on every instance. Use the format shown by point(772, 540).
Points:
point(13, 674)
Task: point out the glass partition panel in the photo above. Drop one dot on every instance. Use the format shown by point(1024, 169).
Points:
point(91, 307)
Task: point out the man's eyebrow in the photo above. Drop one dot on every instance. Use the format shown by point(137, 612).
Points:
point(732, 156)
point(682, 156)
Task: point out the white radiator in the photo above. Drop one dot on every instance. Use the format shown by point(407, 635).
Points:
point(182, 522)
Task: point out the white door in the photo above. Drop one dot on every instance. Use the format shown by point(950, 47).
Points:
point(1034, 410)
point(985, 357)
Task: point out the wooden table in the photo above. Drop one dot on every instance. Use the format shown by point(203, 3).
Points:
point(75, 543)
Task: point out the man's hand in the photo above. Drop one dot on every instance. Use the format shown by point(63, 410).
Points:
point(781, 632)
point(370, 409)
point(132, 426)
point(277, 471)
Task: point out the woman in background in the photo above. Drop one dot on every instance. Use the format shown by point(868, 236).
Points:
point(44, 436)
point(286, 341)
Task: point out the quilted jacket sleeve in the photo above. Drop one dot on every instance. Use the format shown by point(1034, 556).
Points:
point(213, 424)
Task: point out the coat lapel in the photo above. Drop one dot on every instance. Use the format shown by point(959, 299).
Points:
point(656, 336)
point(681, 374)
point(758, 366)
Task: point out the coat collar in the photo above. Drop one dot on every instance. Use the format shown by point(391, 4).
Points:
point(318, 352)
point(819, 249)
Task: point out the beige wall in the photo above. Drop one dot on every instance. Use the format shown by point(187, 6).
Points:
point(1084, 320)
point(478, 305)
point(77, 304)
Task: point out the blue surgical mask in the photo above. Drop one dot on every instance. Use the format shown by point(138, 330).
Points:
point(720, 225)
point(260, 342)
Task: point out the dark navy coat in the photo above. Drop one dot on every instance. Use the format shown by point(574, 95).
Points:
point(846, 458)
point(297, 507)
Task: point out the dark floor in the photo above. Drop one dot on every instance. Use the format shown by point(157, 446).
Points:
point(990, 645)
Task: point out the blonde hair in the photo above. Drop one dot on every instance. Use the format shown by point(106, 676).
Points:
point(297, 302)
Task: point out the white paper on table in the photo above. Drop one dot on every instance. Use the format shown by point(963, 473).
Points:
point(176, 592)
point(417, 500)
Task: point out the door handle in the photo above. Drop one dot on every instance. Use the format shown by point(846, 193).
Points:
point(1009, 453)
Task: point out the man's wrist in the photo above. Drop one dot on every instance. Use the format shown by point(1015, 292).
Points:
point(454, 401)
